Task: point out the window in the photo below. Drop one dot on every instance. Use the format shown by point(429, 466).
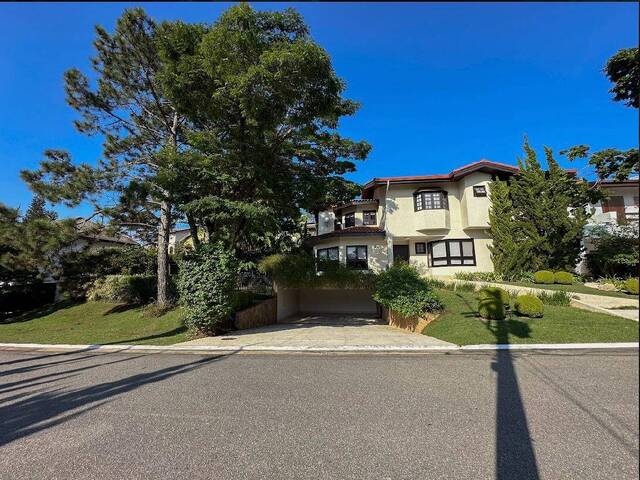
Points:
point(480, 191)
point(430, 200)
point(328, 254)
point(452, 252)
point(357, 257)
point(350, 220)
point(369, 217)
point(421, 248)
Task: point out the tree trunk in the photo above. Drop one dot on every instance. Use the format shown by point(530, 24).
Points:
point(193, 230)
point(164, 227)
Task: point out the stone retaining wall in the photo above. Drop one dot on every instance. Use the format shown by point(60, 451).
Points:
point(264, 313)
point(412, 324)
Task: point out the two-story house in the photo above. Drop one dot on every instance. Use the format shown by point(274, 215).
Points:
point(437, 222)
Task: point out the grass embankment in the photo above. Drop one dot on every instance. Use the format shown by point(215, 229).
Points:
point(93, 323)
point(460, 324)
point(575, 288)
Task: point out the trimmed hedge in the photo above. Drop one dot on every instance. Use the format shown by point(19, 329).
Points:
point(543, 276)
point(631, 286)
point(490, 303)
point(529, 306)
point(563, 278)
point(129, 289)
point(506, 298)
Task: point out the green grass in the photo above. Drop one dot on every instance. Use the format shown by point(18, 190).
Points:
point(460, 324)
point(575, 288)
point(93, 323)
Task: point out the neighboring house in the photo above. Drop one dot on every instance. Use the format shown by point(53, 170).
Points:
point(178, 237)
point(93, 236)
point(437, 222)
point(620, 207)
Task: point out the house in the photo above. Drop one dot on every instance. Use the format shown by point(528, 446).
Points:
point(621, 204)
point(93, 236)
point(439, 223)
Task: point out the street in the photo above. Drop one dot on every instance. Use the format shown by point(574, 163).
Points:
point(461, 416)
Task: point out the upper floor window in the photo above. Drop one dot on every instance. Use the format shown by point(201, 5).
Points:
point(369, 217)
point(357, 257)
point(430, 200)
point(350, 220)
point(480, 191)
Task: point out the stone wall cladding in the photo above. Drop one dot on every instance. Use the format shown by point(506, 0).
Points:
point(411, 324)
point(264, 313)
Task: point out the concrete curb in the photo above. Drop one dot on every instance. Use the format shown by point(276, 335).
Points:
point(208, 349)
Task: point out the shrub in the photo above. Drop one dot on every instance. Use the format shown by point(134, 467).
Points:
point(477, 276)
point(506, 298)
point(529, 306)
point(490, 303)
point(130, 289)
point(563, 278)
point(616, 252)
point(543, 276)
point(207, 287)
point(631, 286)
point(401, 289)
point(559, 298)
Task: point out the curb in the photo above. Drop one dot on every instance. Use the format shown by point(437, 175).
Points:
point(209, 349)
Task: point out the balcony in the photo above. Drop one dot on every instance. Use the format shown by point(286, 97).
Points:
point(428, 220)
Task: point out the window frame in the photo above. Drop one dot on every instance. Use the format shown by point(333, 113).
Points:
point(421, 194)
point(448, 256)
point(350, 216)
point(370, 213)
point(326, 249)
point(366, 260)
point(479, 191)
point(424, 247)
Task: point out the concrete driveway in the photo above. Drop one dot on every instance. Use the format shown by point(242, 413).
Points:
point(308, 331)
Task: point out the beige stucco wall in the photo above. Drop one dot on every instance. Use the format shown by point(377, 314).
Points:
point(474, 210)
point(376, 249)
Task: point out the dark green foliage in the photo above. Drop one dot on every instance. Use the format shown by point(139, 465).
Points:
point(543, 276)
point(623, 70)
point(38, 209)
point(27, 296)
point(537, 220)
point(128, 289)
point(610, 163)
point(615, 253)
point(401, 288)
point(299, 270)
point(560, 298)
point(529, 306)
point(563, 278)
point(207, 286)
point(631, 286)
point(490, 303)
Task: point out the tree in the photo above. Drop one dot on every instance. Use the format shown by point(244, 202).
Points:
point(615, 251)
point(142, 133)
point(623, 70)
point(537, 220)
point(264, 103)
point(38, 209)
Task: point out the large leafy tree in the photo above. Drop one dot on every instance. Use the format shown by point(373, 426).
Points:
point(264, 104)
point(142, 132)
point(623, 70)
point(537, 220)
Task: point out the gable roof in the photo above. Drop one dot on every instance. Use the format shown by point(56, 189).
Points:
point(483, 165)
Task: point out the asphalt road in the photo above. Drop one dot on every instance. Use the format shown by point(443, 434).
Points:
point(458, 416)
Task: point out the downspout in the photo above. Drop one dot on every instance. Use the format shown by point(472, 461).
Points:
point(386, 228)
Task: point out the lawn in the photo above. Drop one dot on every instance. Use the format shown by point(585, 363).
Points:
point(459, 324)
point(93, 323)
point(576, 288)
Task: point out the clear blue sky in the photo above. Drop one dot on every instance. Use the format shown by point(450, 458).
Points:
point(441, 85)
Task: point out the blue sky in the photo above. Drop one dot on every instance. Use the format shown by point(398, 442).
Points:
point(441, 85)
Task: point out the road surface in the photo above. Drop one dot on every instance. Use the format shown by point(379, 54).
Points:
point(459, 416)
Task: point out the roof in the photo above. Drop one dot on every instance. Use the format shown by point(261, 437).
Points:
point(359, 231)
point(96, 231)
point(479, 166)
point(357, 201)
point(630, 182)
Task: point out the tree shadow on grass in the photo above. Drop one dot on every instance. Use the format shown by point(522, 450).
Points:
point(45, 410)
point(169, 333)
point(37, 312)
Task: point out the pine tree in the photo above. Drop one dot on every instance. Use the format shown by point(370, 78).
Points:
point(38, 209)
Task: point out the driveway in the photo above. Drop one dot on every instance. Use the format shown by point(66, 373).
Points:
point(358, 417)
point(323, 331)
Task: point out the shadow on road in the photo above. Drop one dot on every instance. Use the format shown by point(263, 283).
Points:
point(515, 457)
point(43, 410)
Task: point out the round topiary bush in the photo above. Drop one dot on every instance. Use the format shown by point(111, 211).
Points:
point(563, 278)
point(529, 306)
point(543, 276)
point(490, 303)
point(631, 286)
point(506, 298)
